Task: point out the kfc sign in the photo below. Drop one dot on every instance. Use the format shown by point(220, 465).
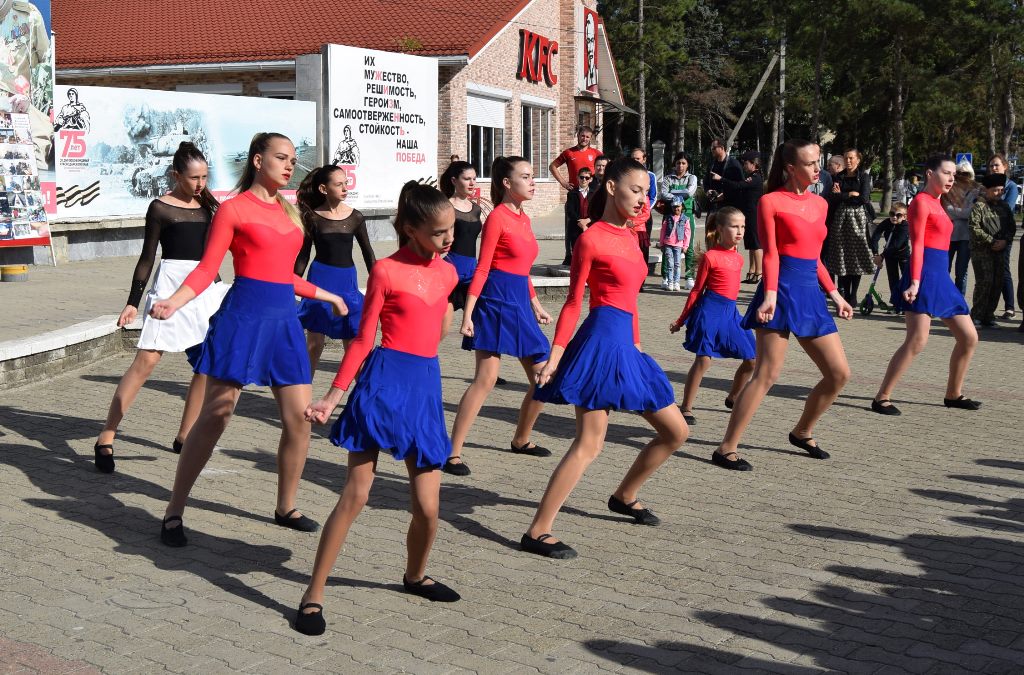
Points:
point(536, 58)
point(590, 50)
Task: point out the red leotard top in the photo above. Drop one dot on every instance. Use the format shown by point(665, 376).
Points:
point(792, 225)
point(409, 296)
point(263, 241)
point(930, 227)
point(508, 245)
point(608, 260)
point(719, 271)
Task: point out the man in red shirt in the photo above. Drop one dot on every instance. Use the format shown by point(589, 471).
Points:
point(577, 157)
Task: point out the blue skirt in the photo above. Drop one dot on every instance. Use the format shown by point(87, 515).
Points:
point(503, 321)
point(255, 337)
point(937, 295)
point(713, 329)
point(602, 369)
point(318, 317)
point(465, 267)
point(801, 308)
point(396, 406)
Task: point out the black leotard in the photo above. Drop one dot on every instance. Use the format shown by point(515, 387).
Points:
point(467, 231)
point(333, 240)
point(181, 234)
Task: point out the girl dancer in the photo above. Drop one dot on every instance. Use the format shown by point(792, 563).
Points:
point(178, 222)
point(602, 367)
point(255, 337)
point(396, 404)
point(331, 225)
point(497, 318)
point(712, 322)
point(928, 292)
point(791, 227)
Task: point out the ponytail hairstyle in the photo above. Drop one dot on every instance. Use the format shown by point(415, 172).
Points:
point(454, 170)
point(615, 171)
point(309, 197)
point(500, 170)
point(418, 205)
point(259, 144)
point(187, 153)
point(784, 155)
point(722, 215)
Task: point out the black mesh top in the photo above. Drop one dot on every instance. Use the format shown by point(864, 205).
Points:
point(467, 231)
point(181, 235)
point(333, 240)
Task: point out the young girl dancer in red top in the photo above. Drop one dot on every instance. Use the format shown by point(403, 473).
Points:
point(396, 404)
point(712, 323)
point(255, 336)
point(791, 227)
point(602, 368)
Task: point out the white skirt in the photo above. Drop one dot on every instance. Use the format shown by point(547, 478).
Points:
point(186, 327)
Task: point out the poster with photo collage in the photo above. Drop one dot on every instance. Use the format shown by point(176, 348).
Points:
point(23, 220)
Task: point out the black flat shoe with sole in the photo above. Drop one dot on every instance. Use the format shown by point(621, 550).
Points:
point(881, 408)
point(176, 446)
point(173, 536)
point(962, 403)
point(104, 463)
point(302, 523)
point(729, 403)
point(559, 550)
point(311, 623)
point(501, 381)
point(688, 416)
point(459, 468)
point(738, 464)
point(532, 450)
point(641, 516)
point(435, 592)
point(805, 445)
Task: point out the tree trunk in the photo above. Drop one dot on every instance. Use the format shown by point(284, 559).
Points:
point(781, 114)
point(817, 87)
point(641, 84)
point(680, 126)
point(887, 171)
point(775, 140)
point(700, 140)
point(1009, 116)
point(898, 106)
point(991, 97)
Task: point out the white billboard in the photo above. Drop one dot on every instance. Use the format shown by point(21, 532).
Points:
point(381, 119)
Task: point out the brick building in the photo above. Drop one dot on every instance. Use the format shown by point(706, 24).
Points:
point(515, 76)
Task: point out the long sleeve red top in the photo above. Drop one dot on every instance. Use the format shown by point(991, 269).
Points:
point(508, 245)
point(719, 271)
point(263, 241)
point(608, 260)
point(792, 225)
point(409, 296)
point(930, 227)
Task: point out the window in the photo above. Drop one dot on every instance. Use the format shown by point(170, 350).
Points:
point(537, 139)
point(229, 88)
point(282, 90)
point(484, 144)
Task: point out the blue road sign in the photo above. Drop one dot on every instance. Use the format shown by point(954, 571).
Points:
point(965, 157)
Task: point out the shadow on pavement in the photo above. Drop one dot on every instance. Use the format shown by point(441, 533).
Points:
point(680, 657)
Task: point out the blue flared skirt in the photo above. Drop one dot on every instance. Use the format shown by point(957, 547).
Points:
point(603, 370)
point(255, 337)
point(465, 267)
point(503, 321)
point(318, 317)
point(937, 295)
point(800, 307)
point(396, 406)
point(713, 329)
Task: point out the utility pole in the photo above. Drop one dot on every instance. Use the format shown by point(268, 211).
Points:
point(641, 85)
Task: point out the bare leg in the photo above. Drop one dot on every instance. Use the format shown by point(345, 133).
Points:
point(758, 261)
point(193, 404)
point(828, 354)
point(362, 467)
point(488, 365)
point(530, 409)
point(966, 336)
point(315, 347)
point(670, 434)
point(693, 378)
point(740, 379)
point(771, 354)
point(218, 405)
point(294, 444)
point(425, 497)
point(127, 389)
point(591, 427)
point(916, 338)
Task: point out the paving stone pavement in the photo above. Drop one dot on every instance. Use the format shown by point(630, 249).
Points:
point(903, 553)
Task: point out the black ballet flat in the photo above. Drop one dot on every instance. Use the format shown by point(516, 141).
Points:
point(310, 623)
point(174, 536)
point(641, 516)
point(881, 409)
point(531, 450)
point(460, 469)
point(176, 446)
point(104, 463)
point(435, 592)
point(302, 523)
point(729, 403)
point(738, 464)
point(688, 416)
point(958, 402)
point(805, 445)
point(501, 382)
point(559, 550)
